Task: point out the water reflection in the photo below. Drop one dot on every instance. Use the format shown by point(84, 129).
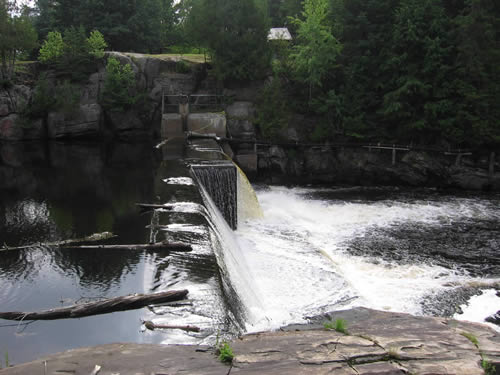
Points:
point(55, 191)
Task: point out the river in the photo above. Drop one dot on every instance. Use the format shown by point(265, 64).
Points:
point(423, 252)
point(314, 250)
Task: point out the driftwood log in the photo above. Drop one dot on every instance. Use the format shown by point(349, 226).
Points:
point(152, 326)
point(130, 302)
point(170, 246)
point(147, 206)
point(92, 238)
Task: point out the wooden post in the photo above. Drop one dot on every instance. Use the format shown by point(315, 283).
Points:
point(393, 155)
point(491, 168)
point(458, 160)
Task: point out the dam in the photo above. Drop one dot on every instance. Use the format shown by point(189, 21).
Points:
point(261, 260)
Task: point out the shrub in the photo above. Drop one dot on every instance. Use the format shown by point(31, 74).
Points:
point(339, 325)
point(225, 353)
point(118, 87)
point(96, 44)
point(52, 49)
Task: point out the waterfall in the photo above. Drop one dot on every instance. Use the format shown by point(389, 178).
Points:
point(236, 278)
point(220, 182)
point(229, 198)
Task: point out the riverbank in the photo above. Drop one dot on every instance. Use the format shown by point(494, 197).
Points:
point(288, 157)
point(377, 342)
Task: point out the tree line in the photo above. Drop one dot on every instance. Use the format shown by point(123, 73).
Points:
point(416, 71)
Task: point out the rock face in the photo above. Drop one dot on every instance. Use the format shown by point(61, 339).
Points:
point(153, 77)
point(240, 117)
point(377, 343)
point(360, 166)
point(84, 123)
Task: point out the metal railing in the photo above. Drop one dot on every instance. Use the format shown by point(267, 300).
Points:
point(197, 103)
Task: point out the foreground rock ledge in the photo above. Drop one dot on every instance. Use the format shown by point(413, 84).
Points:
point(378, 343)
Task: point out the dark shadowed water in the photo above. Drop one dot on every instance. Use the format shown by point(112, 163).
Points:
point(62, 191)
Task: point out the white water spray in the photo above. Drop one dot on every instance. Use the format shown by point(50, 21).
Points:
point(298, 261)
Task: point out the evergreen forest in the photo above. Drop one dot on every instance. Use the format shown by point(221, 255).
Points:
point(423, 72)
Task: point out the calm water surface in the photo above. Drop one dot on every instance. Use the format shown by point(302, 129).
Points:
point(61, 191)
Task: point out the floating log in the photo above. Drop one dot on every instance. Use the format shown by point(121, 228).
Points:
point(146, 206)
point(152, 326)
point(170, 246)
point(92, 238)
point(130, 302)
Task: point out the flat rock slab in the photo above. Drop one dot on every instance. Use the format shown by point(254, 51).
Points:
point(126, 359)
point(377, 343)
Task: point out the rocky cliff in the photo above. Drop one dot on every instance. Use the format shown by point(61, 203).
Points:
point(88, 119)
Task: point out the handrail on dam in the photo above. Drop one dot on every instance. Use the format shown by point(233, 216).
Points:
point(171, 103)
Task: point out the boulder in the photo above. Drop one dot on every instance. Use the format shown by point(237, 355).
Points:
point(84, 123)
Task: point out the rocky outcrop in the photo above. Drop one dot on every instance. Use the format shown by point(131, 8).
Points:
point(126, 125)
point(377, 342)
point(240, 117)
point(153, 77)
point(360, 166)
point(84, 123)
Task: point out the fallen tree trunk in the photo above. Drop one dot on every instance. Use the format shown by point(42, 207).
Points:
point(170, 246)
point(146, 206)
point(130, 302)
point(152, 326)
point(92, 238)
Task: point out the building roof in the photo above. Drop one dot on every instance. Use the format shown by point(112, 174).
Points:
point(279, 33)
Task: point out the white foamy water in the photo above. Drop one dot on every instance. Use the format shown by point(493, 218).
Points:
point(478, 308)
point(299, 266)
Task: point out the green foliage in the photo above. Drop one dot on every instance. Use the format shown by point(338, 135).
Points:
point(73, 54)
point(42, 100)
point(471, 337)
point(235, 33)
point(118, 93)
point(141, 26)
point(52, 48)
point(273, 112)
point(317, 48)
point(96, 44)
point(488, 367)
point(225, 352)
point(17, 35)
point(182, 67)
point(339, 325)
